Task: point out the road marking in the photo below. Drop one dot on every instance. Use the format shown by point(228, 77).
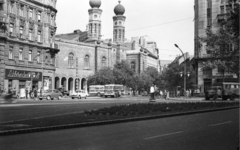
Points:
point(220, 123)
point(163, 135)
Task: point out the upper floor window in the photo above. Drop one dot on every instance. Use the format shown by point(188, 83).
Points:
point(10, 54)
point(104, 61)
point(39, 36)
point(133, 66)
point(87, 62)
point(1, 6)
point(52, 20)
point(11, 28)
point(208, 3)
point(11, 7)
point(222, 9)
point(70, 60)
point(20, 54)
point(39, 16)
point(30, 13)
point(21, 10)
point(30, 34)
point(21, 30)
point(38, 56)
point(30, 55)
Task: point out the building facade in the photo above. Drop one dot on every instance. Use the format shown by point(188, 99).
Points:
point(27, 49)
point(82, 53)
point(208, 14)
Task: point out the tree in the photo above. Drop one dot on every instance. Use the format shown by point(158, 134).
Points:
point(224, 44)
point(102, 77)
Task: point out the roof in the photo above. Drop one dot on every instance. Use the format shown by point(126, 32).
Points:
point(68, 36)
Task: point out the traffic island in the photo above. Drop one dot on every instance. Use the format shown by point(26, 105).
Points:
point(111, 115)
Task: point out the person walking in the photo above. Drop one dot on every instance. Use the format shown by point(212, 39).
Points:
point(152, 91)
point(161, 94)
point(26, 93)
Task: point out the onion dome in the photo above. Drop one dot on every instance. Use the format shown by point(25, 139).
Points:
point(119, 9)
point(95, 3)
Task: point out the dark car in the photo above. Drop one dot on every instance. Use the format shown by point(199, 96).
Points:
point(50, 95)
point(64, 91)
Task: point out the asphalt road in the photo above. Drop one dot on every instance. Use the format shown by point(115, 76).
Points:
point(207, 131)
point(26, 109)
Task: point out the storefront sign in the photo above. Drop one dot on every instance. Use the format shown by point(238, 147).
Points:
point(23, 75)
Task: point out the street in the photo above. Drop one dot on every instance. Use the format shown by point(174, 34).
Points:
point(26, 109)
point(208, 131)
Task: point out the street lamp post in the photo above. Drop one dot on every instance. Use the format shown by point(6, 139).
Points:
point(185, 70)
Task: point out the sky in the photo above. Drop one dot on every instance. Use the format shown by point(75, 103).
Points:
point(166, 22)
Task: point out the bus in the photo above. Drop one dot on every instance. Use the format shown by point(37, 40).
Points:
point(228, 90)
point(96, 90)
point(113, 90)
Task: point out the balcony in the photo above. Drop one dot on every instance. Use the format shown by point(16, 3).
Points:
point(222, 17)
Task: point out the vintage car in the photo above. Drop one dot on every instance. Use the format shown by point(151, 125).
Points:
point(51, 94)
point(79, 94)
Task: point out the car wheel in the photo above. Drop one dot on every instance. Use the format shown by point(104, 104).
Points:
point(72, 97)
point(99, 95)
point(40, 99)
point(207, 98)
point(232, 97)
point(59, 97)
point(79, 97)
point(105, 96)
point(48, 98)
point(85, 97)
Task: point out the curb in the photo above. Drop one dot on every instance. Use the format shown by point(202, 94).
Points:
point(97, 123)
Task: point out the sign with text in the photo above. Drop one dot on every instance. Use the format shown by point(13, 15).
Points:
point(23, 75)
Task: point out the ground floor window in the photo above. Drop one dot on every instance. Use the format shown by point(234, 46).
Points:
point(22, 84)
point(10, 85)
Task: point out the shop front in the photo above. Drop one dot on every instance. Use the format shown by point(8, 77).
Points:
point(22, 79)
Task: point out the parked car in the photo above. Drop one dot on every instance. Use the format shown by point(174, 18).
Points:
point(64, 91)
point(51, 94)
point(79, 94)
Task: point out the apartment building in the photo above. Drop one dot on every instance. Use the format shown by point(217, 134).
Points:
point(27, 49)
point(209, 14)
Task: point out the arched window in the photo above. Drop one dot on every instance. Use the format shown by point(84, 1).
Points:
point(104, 62)
point(70, 60)
point(87, 62)
point(133, 66)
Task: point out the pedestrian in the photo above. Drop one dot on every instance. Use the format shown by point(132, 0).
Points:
point(35, 93)
point(26, 93)
point(167, 95)
point(161, 94)
point(190, 93)
point(187, 94)
point(178, 94)
point(152, 91)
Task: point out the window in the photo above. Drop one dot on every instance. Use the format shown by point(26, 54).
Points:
point(21, 31)
point(30, 34)
point(39, 36)
point(70, 60)
point(21, 10)
point(87, 62)
point(38, 57)
point(30, 55)
point(208, 3)
point(11, 7)
point(10, 55)
point(1, 6)
point(133, 66)
point(51, 20)
point(39, 16)
point(104, 62)
point(11, 28)
point(20, 54)
point(222, 9)
point(31, 13)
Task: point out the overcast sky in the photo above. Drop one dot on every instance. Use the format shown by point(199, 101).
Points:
point(165, 21)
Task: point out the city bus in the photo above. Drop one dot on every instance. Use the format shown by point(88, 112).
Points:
point(113, 90)
point(96, 90)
